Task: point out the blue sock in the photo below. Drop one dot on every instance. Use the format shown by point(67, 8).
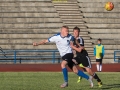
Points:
point(65, 74)
point(80, 73)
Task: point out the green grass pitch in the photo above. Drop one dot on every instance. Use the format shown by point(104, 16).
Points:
point(53, 80)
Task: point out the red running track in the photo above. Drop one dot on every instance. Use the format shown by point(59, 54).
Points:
point(50, 67)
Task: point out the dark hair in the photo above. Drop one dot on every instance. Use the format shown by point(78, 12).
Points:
point(99, 39)
point(76, 28)
point(65, 27)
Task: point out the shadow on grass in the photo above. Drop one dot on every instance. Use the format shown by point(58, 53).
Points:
point(112, 86)
point(105, 86)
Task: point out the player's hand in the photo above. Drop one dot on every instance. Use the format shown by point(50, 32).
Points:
point(71, 44)
point(74, 61)
point(35, 44)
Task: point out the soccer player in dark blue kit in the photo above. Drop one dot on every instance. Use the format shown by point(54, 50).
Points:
point(63, 41)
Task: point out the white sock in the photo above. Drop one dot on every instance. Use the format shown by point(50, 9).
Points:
point(97, 67)
point(100, 67)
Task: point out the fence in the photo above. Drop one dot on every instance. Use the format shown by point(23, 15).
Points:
point(117, 56)
point(19, 56)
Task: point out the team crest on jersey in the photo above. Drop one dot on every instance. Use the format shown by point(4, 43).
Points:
point(68, 42)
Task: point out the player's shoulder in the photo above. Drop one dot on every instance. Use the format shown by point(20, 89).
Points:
point(102, 45)
point(56, 34)
point(80, 37)
point(69, 35)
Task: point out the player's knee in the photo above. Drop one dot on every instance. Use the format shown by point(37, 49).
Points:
point(89, 71)
point(63, 64)
point(75, 70)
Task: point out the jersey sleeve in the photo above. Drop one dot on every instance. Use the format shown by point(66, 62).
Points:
point(81, 41)
point(52, 39)
point(103, 51)
point(94, 51)
point(72, 38)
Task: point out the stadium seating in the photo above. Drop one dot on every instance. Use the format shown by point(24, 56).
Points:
point(24, 21)
point(102, 24)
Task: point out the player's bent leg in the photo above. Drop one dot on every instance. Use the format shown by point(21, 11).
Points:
point(65, 74)
point(81, 65)
point(99, 84)
point(79, 79)
point(82, 74)
point(89, 71)
point(79, 72)
point(90, 80)
point(95, 76)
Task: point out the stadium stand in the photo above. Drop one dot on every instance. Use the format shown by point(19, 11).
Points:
point(102, 24)
point(24, 21)
point(72, 16)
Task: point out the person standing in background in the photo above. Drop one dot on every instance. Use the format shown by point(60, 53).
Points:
point(99, 54)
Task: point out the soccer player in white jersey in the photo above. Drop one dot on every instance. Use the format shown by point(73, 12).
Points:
point(63, 41)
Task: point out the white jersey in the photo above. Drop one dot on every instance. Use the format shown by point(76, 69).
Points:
point(62, 43)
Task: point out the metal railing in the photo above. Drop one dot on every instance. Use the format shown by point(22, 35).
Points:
point(34, 55)
point(117, 56)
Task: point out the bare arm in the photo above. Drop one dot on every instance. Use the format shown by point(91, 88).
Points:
point(78, 49)
point(40, 43)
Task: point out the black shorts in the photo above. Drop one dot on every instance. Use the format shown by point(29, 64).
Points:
point(99, 60)
point(85, 61)
point(68, 57)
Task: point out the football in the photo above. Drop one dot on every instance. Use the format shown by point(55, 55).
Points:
point(109, 6)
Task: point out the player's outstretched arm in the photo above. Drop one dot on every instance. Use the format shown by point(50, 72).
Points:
point(40, 43)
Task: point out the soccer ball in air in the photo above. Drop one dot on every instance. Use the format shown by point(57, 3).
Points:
point(109, 6)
